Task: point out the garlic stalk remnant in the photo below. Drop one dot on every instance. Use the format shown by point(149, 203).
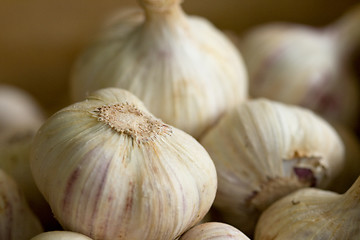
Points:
point(302, 65)
point(184, 69)
point(312, 214)
point(265, 150)
point(111, 170)
point(17, 221)
point(60, 235)
point(214, 231)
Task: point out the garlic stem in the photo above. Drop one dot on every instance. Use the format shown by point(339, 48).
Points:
point(161, 7)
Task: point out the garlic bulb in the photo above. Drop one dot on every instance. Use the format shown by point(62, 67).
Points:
point(313, 214)
point(185, 70)
point(60, 235)
point(17, 222)
point(265, 150)
point(214, 231)
point(302, 65)
point(111, 170)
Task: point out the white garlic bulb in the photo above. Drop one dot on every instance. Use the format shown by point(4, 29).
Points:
point(60, 235)
point(111, 170)
point(214, 231)
point(17, 221)
point(313, 214)
point(265, 150)
point(302, 65)
point(185, 70)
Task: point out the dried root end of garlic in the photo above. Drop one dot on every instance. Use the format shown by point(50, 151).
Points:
point(312, 213)
point(111, 170)
point(263, 151)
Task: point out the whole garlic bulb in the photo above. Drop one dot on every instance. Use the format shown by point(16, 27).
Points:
point(17, 221)
point(312, 214)
point(185, 70)
point(265, 150)
point(302, 65)
point(60, 235)
point(214, 231)
point(111, 170)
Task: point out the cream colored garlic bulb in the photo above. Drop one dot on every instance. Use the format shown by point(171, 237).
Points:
point(302, 65)
point(312, 214)
point(214, 231)
point(17, 221)
point(185, 70)
point(111, 170)
point(60, 235)
point(265, 150)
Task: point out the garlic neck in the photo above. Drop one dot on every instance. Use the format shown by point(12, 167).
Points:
point(162, 10)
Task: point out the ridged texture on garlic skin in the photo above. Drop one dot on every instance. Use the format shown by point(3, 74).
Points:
point(312, 214)
point(185, 70)
point(60, 235)
point(17, 221)
point(149, 180)
point(301, 65)
point(214, 231)
point(265, 150)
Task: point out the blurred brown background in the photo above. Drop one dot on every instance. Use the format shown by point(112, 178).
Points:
point(40, 39)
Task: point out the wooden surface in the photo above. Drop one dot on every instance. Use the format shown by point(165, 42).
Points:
point(40, 39)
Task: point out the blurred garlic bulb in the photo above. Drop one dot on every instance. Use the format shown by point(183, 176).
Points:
point(265, 150)
point(111, 170)
point(184, 69)
point(60, 235)
point(312, 214)
point(214, 231)
point(302, 65)
point(17, 221)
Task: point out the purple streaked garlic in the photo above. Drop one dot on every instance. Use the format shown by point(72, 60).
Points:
point(111, 170)
point(307, 66)
point(265, 150)
point(312, 213)
point(184, 69)
point(214, 231)
point(17, 221)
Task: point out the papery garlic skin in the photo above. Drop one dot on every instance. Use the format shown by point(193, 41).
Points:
point(312, 214)
point(265, 150)
point(17, 221)
point(185, 70)
point(214, 231)
point(111, 170)
point(60, 235)
point(301, 65)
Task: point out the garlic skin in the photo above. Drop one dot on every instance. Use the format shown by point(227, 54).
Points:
point(312, 214)
point(17, 221)
point(60, 235)
point(265, 150)
point(301, 65)
point(111, 170)
point(214, 231)
point(184, 69)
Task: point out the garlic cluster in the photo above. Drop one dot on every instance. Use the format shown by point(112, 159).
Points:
point(263, 151)
point(60, 235)
point(214, 231)
point(303, 65)
point(17, 221)
point(111, 170)
point(312, 214)
point(184, 70)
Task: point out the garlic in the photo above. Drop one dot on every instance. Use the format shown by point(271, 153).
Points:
point(312, 214)
point(111, 170)
point(265, 150)
point(184, 69)
point(17, 222)
point(302, 65)
point(60, 235)
point(214, 231)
